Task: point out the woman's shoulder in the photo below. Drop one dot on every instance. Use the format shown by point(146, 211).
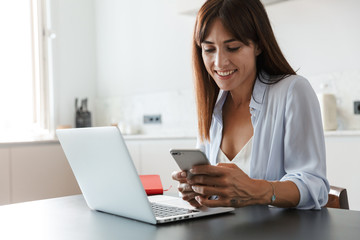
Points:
point(289, 84)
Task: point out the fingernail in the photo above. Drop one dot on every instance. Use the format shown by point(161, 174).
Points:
point(183, 174)
point(197, 198)
point(195, 188)
point(191, 170)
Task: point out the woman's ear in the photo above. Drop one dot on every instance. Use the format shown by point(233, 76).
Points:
point(258, 50)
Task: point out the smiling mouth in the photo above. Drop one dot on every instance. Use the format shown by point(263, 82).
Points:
point(225, 73)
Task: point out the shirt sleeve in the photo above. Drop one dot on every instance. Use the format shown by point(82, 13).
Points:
point(304, 146)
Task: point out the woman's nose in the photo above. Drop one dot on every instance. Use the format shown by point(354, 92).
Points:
point(221, 59)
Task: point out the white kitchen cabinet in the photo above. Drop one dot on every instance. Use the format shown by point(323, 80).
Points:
point(37, 171)
point(343, 164)
point(40, 172)
point(4, 176)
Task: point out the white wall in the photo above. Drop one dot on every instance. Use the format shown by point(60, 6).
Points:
point(74, 57)
point(119, 52)
point(114, 52)
point(321, 39)
point(319, 36)
point(143, 60)
point(144, 47)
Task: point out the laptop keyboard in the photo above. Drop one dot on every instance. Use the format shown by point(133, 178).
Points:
point(167, 211)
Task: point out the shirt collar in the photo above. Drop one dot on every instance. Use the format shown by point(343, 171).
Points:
point(219, 105)
point(258, 93)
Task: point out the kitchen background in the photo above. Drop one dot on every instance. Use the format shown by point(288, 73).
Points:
point(132, 58)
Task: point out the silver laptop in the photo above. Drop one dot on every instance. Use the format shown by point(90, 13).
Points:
point(110, 183)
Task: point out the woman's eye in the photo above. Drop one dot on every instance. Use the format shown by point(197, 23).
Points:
point(208, 50)
point(233, 49)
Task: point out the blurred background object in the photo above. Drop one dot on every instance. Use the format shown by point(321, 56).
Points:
point(83, 116)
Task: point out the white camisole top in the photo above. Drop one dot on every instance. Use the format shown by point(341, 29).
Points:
point(242, 159)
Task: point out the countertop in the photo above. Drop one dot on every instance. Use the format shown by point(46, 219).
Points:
point(133, 137)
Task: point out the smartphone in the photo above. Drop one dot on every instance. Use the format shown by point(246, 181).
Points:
point(187, 158)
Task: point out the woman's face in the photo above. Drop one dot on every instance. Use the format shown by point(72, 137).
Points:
point(230, 62)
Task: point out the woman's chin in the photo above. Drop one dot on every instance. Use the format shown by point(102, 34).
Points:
point(225, 87)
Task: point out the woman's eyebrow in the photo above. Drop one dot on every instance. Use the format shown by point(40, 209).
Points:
point(226, 41)
point(230, 40)
point(207, 42)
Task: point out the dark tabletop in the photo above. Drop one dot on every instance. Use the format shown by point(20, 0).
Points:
point(70, 218)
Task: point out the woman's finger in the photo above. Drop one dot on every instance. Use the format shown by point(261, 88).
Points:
point(206, 169)
point(179, 176)
point(195, 203)
point(208, 180)
point(188, 196)
point(184, 187)
point(209, 190)
point(228, 165)
point(218, 170)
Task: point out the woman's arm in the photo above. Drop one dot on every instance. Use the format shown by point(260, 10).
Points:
point(304, 145)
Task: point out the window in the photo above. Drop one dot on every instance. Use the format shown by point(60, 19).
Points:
point(24, 85)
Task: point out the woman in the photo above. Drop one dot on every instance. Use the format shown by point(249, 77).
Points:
point(259, 123)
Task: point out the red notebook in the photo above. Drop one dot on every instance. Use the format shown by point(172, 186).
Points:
point(152, 184)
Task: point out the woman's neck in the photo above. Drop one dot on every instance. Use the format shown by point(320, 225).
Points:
point(241, 95)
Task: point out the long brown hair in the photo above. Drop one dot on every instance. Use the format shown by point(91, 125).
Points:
point(247, 20)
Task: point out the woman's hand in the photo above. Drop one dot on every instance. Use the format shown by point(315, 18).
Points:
point(232, 186)
point(185, 189)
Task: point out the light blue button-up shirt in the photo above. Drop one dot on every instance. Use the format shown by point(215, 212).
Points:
point(288, 138)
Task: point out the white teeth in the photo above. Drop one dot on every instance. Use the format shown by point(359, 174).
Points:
point(226, 73)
